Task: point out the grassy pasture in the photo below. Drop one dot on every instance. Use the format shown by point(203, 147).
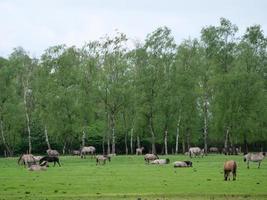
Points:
point(127, 177)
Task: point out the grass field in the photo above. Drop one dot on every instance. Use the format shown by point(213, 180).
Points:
point(127, 177)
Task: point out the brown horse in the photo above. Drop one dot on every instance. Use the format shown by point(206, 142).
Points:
point(230, 166)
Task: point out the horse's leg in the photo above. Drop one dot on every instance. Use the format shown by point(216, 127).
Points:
point(234, 175)
point(248, 164)
point(259, 164)
point(58, 163)
point(225, 175)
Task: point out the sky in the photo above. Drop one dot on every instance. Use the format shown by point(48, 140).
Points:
point(36, 25)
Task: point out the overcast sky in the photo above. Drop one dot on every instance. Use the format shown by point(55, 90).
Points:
point(38, 24)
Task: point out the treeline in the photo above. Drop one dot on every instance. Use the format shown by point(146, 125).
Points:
point(161, 95)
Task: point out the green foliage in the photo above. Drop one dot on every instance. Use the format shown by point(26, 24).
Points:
point(151, 92)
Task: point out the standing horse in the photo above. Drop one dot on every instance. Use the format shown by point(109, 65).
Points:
point(90, 150)
point(150, 157)
point(195, 151)
point(214, 150)
point(26, 159)
point(49, 159)
point(139, 151)
point(254, 157)
point(230, 166)
point(52, 153)
point(76, 152)
point(102, 158)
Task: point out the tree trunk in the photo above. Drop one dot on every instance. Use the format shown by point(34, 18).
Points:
point(166, 141)
point(183, 145)
point(103, 145)
point(83, 139)
point(226, 138)
point(9, 153)
point(138, 142)
point(245, 144)
point(108, 144)
point(113, 134)
point(205, 134)
point(131, 142)
point(177, 136)
point(152, 135)
point(188, 138)
point(126, 134)
point(64, 148)
point(126, 145)
point(46, 138)
point(27, 117)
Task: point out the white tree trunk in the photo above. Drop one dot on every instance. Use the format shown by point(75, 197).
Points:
point(177, 136)
point(25, 87)
point(4, 139)
point(138, 141)
point(205, 125)
point(83, 139)
point(152, 135)
point(131, 141)
point(113, 150)
point(166, 141)
point(46, 138)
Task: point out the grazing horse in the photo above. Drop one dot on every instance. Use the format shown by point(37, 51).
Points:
point(90, 150)
point(50, 159)
point(139, 151)
point(150, 157)
point(182, 164)
point(102, 158)
point(76, 152)
point(230, 166)
point(52, 153)
point(37, 158)
point(161, 161)
point(214, 150)
point(254, 157)
point(195, 151)
point(26, 159)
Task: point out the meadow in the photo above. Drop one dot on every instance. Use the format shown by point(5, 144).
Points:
point(128, 177)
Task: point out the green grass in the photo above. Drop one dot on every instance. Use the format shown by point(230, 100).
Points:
point(127, 177)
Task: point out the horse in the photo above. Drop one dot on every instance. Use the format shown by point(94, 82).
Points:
point(150, 157)
point(36, 167)
point(52, 153)
point(195, 151)
point(102, 158)
point(230, 166)
point(139, 151)
point(27, 159)
point(213, 150)
point(91, 150)
point(50, 159)
point(37, 158)
point(161, 161)
point(254, 157)
point(76, 152)
point(182, 164)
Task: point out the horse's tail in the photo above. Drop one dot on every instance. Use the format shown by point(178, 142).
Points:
point(20, 159)
point(234, 167)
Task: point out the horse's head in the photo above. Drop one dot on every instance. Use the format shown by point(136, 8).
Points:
point(167, 160)
point(245, 158)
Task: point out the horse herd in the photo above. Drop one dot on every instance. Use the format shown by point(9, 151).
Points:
point(39, 163)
